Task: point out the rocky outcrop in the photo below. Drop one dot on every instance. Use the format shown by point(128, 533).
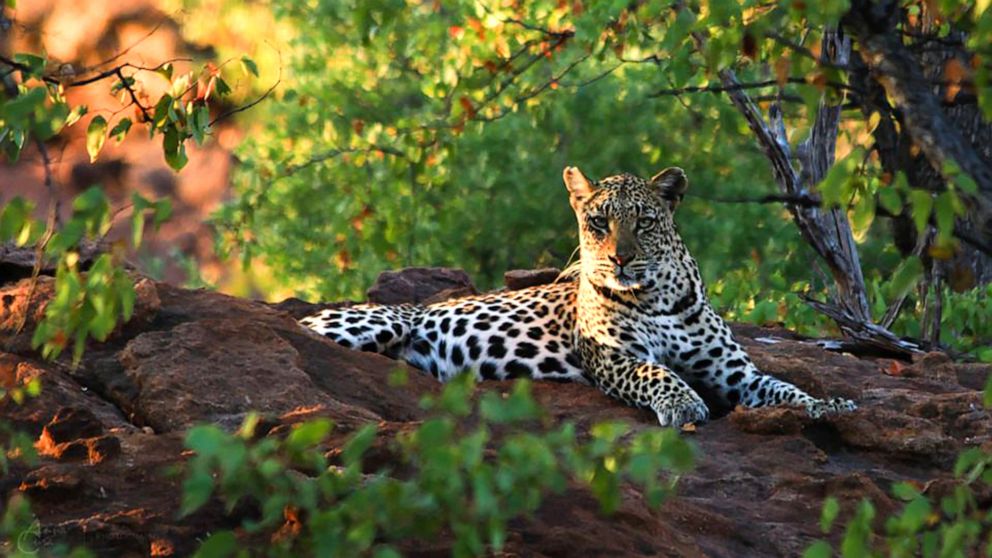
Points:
point(108, 429)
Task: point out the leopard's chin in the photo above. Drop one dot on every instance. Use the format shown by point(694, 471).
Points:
point(623, 283)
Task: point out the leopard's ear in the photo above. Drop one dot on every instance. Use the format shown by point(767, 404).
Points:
point(579, 187)
point(672, 184)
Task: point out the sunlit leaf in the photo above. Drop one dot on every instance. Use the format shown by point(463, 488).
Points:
point(96, 134)
point(249, 66)
point(120, 130)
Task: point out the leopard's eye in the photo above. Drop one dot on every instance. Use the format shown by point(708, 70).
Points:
point(645, 223)
point(599, 222)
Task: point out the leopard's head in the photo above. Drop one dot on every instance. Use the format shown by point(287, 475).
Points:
point(626, 232)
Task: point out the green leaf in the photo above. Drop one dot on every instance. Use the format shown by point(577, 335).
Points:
point(163, 210)
point(221, 87)
point(829, 513)
point(386, 552)
point(904, 491)
point(197, 488)
point(309, 434)
point(17, 110)
point(205, 440)
point(161, 112)
point(358, 444)
point(121, 129)
point(13, 144)
point(862, 216)
point(165, 70)
point(248, 65)
point(890, 200)
point(819, 549)
point(96, 134)
point(200, 123)
point(122, 84)
point(945, 211)
point(76, 114)
point(174, 149)
point(36, 64)
point(16, 222)
point(905, 277)
point(921, 203)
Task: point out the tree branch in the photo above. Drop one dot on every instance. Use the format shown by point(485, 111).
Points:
point(894, 67)
point(243, 108)
point(738, 86)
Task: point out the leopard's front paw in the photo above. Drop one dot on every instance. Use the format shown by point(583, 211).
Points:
point(681, 408)
point(835, 405)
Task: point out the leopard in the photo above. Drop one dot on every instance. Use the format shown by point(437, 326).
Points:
point(630, 317)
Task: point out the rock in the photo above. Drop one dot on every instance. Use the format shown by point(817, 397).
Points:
point(18, 315)
point(769, 420)
point(17, 311)
point(881, 430)
point(517, 279)
point(107, 430)
point(182, 376)
point(69, 424)
point(416, 285)
point(300, 308)
point(933, 365)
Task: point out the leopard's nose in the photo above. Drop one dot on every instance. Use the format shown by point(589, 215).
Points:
point(620, 259)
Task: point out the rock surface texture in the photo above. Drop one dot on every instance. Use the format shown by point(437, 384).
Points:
point(108, 429)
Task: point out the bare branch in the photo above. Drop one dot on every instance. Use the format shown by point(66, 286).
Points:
point(738, 86)
point(134, 96)
point(243, 108)
point(291, 169)
point(801, 200)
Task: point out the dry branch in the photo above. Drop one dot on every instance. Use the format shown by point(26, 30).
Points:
point(826, 230)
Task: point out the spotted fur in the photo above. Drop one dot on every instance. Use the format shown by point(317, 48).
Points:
point(636, 323)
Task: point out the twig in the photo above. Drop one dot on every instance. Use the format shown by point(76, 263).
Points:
point(738, 86)
point(799, 200)
point(39, 256)
point(243, 108)
point(922, 241)
point(560, 34)
point(134, 44)
point(534, 92)
point(115, 71)
point(820, 60)
point(337, 152)
point(134, 96)
point(46, 161)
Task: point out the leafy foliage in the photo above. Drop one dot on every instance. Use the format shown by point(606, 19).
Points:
point(408, 134)
point(467, 482)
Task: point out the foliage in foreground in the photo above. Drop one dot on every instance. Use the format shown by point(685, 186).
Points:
point(447, 482)
point(957, 525)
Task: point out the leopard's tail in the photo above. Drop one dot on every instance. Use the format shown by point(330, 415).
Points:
point(384, 329)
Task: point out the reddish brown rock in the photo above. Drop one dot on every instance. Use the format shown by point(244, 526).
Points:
point(19, 316)
point(418, 284)
point(69, 424)
point(769, 420)
point(517, 279)
point(183, 376)
point(200, 356)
